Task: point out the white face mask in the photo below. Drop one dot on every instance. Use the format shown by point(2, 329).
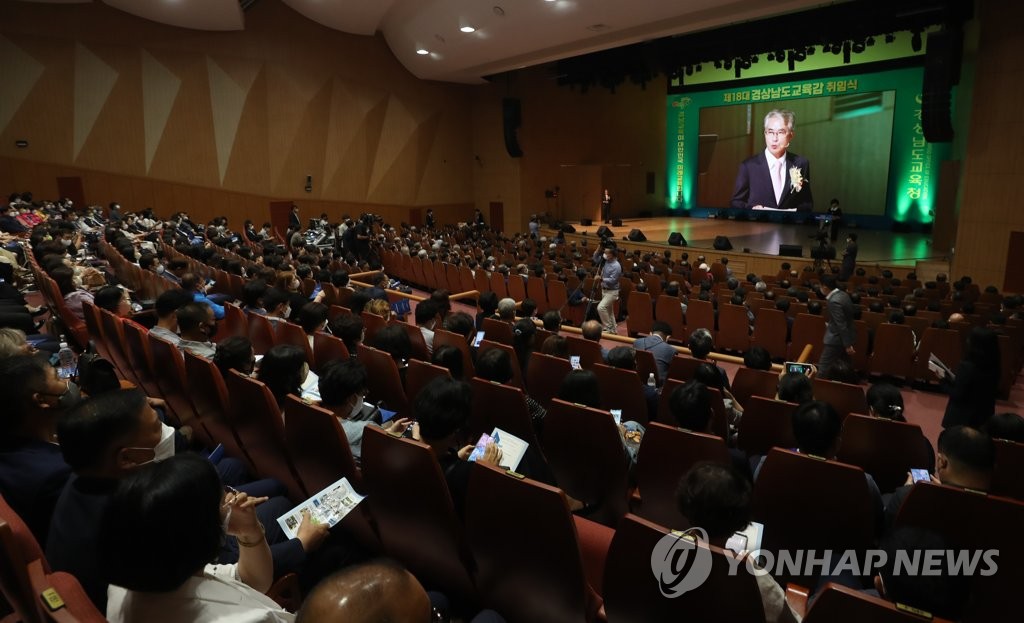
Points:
point(357, 407)
point(160, 268)
point(287, 312)
point(164, 449)
point(66, 242)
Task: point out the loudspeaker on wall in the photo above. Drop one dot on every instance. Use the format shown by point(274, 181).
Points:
point(512, 118)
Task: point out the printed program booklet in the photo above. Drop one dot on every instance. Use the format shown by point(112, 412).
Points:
point(512, 448)
point(329, 506)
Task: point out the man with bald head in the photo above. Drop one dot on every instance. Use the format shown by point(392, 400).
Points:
point(380, 591)
point(591, 330)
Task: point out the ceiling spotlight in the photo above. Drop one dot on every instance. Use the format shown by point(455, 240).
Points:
point(467, 29)
point(889, 38)
point(870, 41)
point(422, 51)
point(810, 50)
point(771, 56)
point(915, 41)
point(718, 64)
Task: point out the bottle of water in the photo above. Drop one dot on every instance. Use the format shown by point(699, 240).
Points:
point(651, 382)
point(66, 358)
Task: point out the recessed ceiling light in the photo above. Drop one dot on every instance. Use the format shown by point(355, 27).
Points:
point(422, 51)
point(549, 0)
point(468, 29)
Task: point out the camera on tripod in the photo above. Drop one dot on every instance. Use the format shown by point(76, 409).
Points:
point(608, 243)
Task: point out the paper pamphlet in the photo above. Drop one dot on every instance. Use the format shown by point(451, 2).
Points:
point(512, 448)
point(329, 506)
point(935, 364)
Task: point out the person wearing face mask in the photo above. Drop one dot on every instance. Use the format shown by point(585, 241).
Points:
point(313, 318)
point(277, 303)
point(427, 313)
point(32, 469)
point(342, 390)
point(611, 271)
point(190, 282)
point(103, 440)
point(197, 326)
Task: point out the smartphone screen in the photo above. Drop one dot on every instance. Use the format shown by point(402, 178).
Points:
point(617, 414)
point(798, 368)
point(920, 475)
point(67, 373)
point(481, 445)
point(574, 360)
point(479, 338)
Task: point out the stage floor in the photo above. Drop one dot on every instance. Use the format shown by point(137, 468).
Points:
point(874, 246)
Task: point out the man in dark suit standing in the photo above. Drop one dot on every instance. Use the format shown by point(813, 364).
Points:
point(776, 179)
point(293, 218)
point(840, 332)
point(849, 257)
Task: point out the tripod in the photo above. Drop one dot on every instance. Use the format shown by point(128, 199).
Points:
point(593, 290)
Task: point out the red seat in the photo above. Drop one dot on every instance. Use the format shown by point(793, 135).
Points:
point(327, 348)
point(641, 314)
point(682, 367)
point(893, 353)
point(634, 595)
point(419, 343)
point(534, 575)
point(944, 344)
point(501, 406)
point(289, 333)
point(621, 389)
point(447, 338)
point(544, 376)
point(719, 421)
point(843, 397)
point(516, 288)
point(701, 315)
point(318, 446)
point(169, 369)
point(257, 419)
point(770, 328)
point(383, 380)
point(886, 449)
point(807, 329)
point(749, 382)
point(766, 423)
point(733, 328)
point(261, 333)
point(25, 575)
point(840, 604)
point(668, 310)
point(517, 370)
point(113, 336)
point(235, 324)
point(535, 290)
point(419, 374)
point(497, 331)
point(1006, 480)
point(666, 455)
point(808, 503)
point(94, 324)
point(210, 398)
point(136, 350)
point(973, 521)
point(585, 452)
point(372, 323)
point(588, 351)
point(410, 501)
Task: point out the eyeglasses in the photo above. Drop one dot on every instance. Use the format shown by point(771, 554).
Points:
point(777, 133)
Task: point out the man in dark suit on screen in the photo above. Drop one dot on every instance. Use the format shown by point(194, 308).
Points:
point(776, 179)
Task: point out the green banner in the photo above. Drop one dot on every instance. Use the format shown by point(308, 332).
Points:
point(913, 162)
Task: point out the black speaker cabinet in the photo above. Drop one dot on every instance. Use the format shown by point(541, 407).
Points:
point(512, 118)
point(616, 222)
point(676, 239)
point(605, 231)
point(722, 243)
point(635, 235)
point(791, 250)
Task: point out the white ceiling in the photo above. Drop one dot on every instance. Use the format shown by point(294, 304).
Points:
point(525, 33)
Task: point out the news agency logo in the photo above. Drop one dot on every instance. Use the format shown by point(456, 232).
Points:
point(679, 564)
point(682, 562)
